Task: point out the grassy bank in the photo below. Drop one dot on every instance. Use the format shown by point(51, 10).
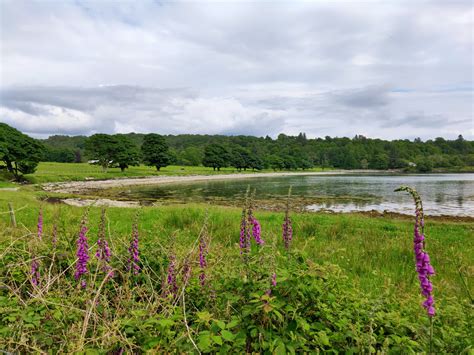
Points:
point(347, 283)
point(54, 172)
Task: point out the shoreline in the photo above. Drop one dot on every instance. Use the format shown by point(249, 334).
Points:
point(80, 187)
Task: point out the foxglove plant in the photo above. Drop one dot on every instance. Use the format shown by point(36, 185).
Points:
point(253, 223)
point(40, 223)
point(171, 275)
point(274, 279)
point(82, 254)
point(256, 231)
point(134, 253)
point(35, 272)
point(273, 283)
point(103, 253)
point(423, 266)
point(244, 234)
point(287, 227)
point(186, 271)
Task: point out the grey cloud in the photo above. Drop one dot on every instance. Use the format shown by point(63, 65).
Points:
point(363, 98)
point(240, 67)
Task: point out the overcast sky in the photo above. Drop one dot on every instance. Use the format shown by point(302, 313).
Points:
point(387, 69)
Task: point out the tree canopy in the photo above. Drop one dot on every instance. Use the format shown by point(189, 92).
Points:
point(19, 152)
point(112, 151)
point(216, 156)
point(301, 152)
point(155, 151)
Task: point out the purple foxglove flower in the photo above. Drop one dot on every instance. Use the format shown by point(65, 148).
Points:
point(171, 277)
point(82, 254)
point(256, 231)
point(40, 224)
point(186, 271)
point(422, 259)
point(35, 272)
point(287, 231)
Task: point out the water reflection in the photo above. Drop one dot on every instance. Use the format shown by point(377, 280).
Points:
point(449, 194)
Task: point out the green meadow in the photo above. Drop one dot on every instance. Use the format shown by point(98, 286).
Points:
point(347, 284)
point(53, 172)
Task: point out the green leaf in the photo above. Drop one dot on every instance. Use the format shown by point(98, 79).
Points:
point(204, 341)
point(280, 349)
point(217, 339)
point(204, 317)
point(220, 324)
point(165, 323)
point(323, 338)
point(232, 324)
point(227, 335)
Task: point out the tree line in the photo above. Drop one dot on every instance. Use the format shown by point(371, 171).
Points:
point(294, 152)
point(20, 154)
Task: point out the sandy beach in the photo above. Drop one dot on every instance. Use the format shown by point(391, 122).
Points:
point(78, 187)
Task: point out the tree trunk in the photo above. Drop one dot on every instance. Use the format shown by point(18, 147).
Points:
point(157, 167)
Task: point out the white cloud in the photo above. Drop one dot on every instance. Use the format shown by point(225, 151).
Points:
point(326, 68)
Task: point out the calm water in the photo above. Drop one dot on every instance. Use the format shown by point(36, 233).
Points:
point(443, 194)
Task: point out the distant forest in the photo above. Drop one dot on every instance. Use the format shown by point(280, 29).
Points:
point(291, 152)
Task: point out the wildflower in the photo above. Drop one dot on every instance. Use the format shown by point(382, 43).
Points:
point(40, 223)
point(186, 271)
point(273, 283)
point(103, 253)
point(256, 231)
point(287, 227)
point(82, 254)
point(422, 259)
point(274, 279)
point(133, 250)
point(171, 277)
point(244, 235)
point(35, 272)
point(287, 231)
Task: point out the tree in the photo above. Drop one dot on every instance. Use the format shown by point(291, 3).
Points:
point(155, 151)
point(240, 158)
point(126, 152)
point(424, 165)
point(101, 149)
point(276, 162)
point(191, 156)
point(380, 161)
point(20, 153)
point(60, 155)
point(216, 156)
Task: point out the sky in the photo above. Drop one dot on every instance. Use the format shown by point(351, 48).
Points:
point(383, 69)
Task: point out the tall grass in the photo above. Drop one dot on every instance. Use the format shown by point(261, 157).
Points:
point(348, 283)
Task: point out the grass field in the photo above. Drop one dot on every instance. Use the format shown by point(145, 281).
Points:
point(348, 284)
point(52, 172)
